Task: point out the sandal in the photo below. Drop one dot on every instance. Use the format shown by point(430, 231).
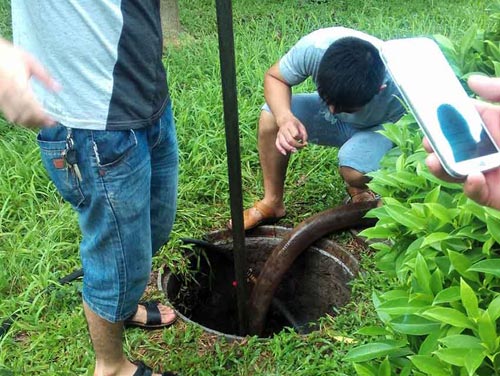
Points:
point(153, 318)
point(144, 370)
point(359, 195)
point(267, 216)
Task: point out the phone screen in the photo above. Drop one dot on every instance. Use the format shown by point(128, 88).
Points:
point(465, 140)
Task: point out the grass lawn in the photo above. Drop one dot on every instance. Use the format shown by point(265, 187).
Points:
point(39, 234)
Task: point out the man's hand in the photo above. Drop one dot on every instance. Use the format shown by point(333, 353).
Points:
point(17, 100)
point(291, 135)
point(484, 188)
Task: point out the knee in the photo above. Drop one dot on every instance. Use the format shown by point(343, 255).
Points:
point(267, 124)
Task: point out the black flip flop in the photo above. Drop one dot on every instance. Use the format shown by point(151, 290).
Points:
point(153, 318)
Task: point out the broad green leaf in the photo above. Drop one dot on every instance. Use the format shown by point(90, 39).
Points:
point(493, 225)
point(449, 316)
point(494, 308)
point(385, 368)
point(496, 66)
point(436, 283)
point(384, 317)
point(469, 299)
point(493, 49)
point(395, 294)
point(373, 331)
point(488, 245)
point(435, 237)
point(365, 370)
point(462, 264)
point(430, 344)
point(489, 266)
point(405, 217)
point(444, 214)
point(487, 332)
point(379, 232)
point(402, 306)
point(461, 341)
point(491, 212)
point(406, 370)
point(451, 294)
point(374, 350)
point(431, 365)
point(474, 361)
point(445, 43)
point(422, 274)
point(458, 357)
point(433, 195)
point(467, 40)
point(414, 325)
point(453, 356)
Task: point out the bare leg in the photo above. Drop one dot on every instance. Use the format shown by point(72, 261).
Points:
point(108, 346)
point(273, 163)
point(356, 184)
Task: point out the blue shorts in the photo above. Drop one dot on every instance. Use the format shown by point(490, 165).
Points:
point(126, 202)
point(359, 148)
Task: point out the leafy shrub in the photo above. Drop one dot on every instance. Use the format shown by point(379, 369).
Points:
point(478, 50)
point(440, 315)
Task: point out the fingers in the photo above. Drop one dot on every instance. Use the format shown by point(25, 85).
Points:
point(475, 187)
point(291, 137)
point(285, 143)
point(437, 169)
point(427, 145)
point(17, 100)
point(36, 70)
point(25, 110)
point(486, 87)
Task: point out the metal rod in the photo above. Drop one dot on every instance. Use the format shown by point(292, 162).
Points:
point(228, 75)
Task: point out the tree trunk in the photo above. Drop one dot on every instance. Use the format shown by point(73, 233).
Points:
point(170, 22)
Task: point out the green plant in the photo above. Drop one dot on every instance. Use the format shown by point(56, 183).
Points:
point(478, 50)
point(439, 317)
point(441, 251)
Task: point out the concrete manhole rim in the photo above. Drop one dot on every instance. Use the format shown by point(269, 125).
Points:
point(217, 238)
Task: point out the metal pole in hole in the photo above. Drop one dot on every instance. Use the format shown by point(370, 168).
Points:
point(228, 75)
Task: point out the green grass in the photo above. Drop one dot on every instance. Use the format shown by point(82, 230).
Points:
point(39, 234)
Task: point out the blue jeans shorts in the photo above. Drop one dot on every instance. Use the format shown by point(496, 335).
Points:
point(359, 148)
point(126, 202)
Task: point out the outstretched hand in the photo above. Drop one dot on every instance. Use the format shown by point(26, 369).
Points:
point(17, 100)
point(484, 188)
point(292, 135)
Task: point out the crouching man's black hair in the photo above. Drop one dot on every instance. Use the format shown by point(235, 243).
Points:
point(350, 73)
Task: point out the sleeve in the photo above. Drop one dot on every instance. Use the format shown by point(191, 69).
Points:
point(300, 62)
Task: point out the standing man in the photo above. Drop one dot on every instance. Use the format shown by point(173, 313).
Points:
point(111, 150)
point(354, 97)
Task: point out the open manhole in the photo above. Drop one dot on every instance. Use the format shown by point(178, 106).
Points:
point(313, 287)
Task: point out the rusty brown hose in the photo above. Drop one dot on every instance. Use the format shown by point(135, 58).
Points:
point(298, 240)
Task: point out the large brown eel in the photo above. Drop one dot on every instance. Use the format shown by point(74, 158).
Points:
point(298, 240)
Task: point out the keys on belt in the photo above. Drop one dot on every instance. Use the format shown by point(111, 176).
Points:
point(69, 155)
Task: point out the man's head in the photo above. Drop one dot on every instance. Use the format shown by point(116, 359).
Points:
point(350, 74)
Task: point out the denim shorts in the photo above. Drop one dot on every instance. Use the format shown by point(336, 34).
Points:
point(359, 148)
point(125, 200)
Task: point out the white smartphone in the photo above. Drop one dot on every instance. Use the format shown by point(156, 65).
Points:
point(440, 105)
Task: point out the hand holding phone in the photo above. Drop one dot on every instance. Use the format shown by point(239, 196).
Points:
point(484, 188)
point(441, 106)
